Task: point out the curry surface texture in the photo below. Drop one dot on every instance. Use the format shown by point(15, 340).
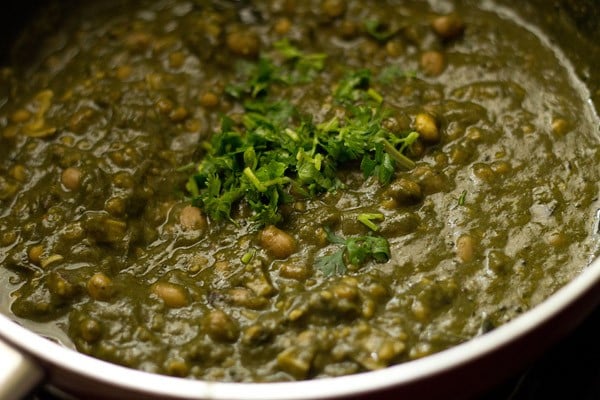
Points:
point(102, 250)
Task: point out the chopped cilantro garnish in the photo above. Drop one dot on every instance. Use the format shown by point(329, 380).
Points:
point(273, 150)
point(357, 249)
point(353, 86)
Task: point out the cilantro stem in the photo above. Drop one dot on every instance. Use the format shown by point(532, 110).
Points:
point(374, 94)
point(368, 218)
point(400, 158)
point(254, 180)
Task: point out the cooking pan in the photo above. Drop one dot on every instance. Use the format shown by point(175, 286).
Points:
point(28, 359)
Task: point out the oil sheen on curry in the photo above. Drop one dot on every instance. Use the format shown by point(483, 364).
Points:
point(284, 190)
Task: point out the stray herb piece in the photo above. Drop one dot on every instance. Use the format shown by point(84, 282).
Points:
point(357, 249)
point(368, 218)
point(257, 77)
point(248, 256)
point(304, 65)
point(390, 73)
point(462, 198)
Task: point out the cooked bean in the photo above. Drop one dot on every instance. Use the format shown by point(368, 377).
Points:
point(71, 178)
point(123, 72)
point(80, 120)
point(191, 218)
point(220, 327)
point(560, 126)
point(177, 367)
point(60, 286)
point(296, 360)
point(448, 26)
point(91, 330)
point(557, 239)
point(244, 43)
point(484, 172)
point(243, 297)
point(333, 8)
point(349, 29)
point(405, 191)
point(433, 63)
point(427, 128)
point(19, 173)
point(178, 114)
point(173, 295)
point(176, 59)
point(115, 206)
point(295, 270)
point(100, 286)
point(209, 100)
point(277, 242)
point(282, 26)
point(35, 254)
point(465, 248)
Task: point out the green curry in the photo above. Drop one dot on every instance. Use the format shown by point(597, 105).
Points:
point(281, 190)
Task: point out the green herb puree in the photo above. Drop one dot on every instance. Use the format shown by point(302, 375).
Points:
point(284, 190)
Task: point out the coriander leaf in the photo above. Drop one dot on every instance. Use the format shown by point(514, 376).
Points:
point(304, 65)
point(359, 250)
point(350, 87)
point(332, 264)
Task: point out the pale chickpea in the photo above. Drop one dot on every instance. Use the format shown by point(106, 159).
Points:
point(405, 191)
point(294, 270)
point(465, 248)
point(433, 62)
point(123, 72)
point(100, 286)
point(191, 218)
point(178, 114)
point(448, 27)
point(278, 243)
point(427, 128)
point(334, 8)
point(348, 29)
point(557, 239)
point(560, 126)
point(209, 100)
point(35, 254)
point(173, 295)
point(220, 327)
point(243, 43)
point(71, 178)
point(282, 26)
point(91, 330)
point(176, 59)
